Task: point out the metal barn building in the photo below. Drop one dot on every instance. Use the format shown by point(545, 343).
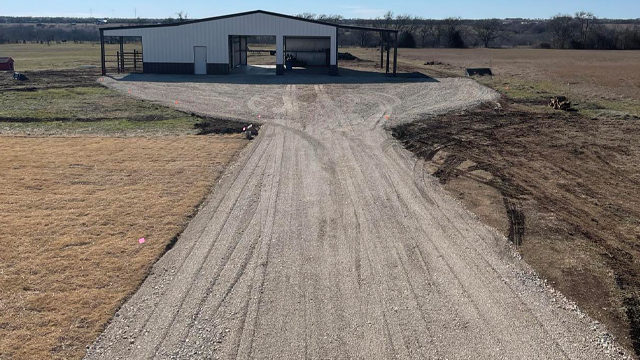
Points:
point(216, 45)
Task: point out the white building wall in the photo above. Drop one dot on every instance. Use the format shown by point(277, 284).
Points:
point(174, 44)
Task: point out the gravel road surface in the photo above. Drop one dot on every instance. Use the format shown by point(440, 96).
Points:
point(326, 239)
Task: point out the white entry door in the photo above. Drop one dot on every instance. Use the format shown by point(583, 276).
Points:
point(200, 60)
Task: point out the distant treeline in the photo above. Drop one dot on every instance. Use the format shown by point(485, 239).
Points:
point(17, 33)
point(582, 30)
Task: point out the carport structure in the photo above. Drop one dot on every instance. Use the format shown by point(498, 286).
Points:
point(216, 45)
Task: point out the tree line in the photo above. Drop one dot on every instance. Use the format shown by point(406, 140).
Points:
point(582, 30)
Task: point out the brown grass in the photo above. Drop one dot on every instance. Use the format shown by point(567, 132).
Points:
point(29, 57)
point(582, 69)
point(607, 79)
point(72, 212)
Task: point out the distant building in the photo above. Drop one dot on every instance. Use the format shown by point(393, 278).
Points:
point(6, 64)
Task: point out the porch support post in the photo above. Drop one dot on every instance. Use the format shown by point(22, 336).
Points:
point(333, 56)
point(279, 55)
point(388, 46)
point(381, 51)
point(102, 64)
point(122, 53)
point(395, 54)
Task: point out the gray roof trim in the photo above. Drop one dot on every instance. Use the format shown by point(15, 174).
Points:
point(352, 27)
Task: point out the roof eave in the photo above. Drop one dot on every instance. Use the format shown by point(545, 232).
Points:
point(242, 14)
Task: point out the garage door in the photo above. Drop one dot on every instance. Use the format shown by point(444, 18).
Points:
point(312, 51)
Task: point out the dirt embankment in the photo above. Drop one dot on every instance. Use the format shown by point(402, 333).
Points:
point(562, 186)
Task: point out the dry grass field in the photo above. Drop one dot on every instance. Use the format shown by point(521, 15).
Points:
point(72, 212)
point(29, 57)
point(75, 204)
point(598, 81)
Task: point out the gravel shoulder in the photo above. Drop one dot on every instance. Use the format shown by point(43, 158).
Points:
point(326, 239)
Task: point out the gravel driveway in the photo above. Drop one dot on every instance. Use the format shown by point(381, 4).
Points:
point(326, 239)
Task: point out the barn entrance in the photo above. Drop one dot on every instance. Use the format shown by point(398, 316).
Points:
point(252, 54)
point(257, 54)
point(304, 52)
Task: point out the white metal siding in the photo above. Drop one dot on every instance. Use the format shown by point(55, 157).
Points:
point(175, 43)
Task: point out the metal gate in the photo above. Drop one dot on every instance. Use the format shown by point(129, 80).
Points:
point(125, 61)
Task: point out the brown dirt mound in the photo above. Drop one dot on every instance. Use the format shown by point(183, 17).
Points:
point(50, 79)
point(210, 125)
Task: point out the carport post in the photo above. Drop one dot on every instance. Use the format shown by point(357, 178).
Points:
point(104, 68)
point(387, 57)
point(122, 53)
point(381, 51)
point(395, 54)
point(333, 69)
point(279, 55)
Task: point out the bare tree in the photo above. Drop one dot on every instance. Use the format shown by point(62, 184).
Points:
point(329, 18)
point(488, 30)
point(365, 38)
point(306, 15)
point(182, 15)
point(387, 19)
point(585, 21)
point(563, 28)
point(452, 32)
point(429, 30)
point(405, 23)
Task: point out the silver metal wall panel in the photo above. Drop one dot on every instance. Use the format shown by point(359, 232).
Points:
point(174, 44)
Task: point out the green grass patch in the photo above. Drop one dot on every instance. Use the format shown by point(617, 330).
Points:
point(522, 90)
point(539, 92)
point(96, 110)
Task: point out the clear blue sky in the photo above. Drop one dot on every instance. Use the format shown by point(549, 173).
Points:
point(470, 9)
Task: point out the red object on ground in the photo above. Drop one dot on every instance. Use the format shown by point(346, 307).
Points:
point(6, 64)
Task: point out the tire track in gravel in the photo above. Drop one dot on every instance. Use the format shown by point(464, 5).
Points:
point(185, 294)
point(327, 240)
point(476, 269)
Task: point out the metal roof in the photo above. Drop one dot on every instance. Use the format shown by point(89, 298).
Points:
point(352, 27)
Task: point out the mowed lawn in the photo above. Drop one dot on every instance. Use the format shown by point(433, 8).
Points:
point(72, 212)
